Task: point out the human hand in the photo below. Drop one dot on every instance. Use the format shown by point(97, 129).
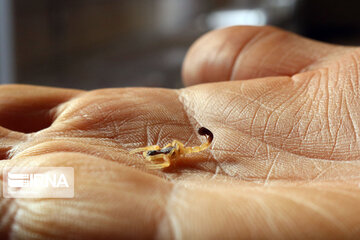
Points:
point(284, 162)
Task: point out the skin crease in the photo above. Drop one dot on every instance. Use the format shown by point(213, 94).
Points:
point(284, 162)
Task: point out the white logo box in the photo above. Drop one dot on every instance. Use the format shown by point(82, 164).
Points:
point(38, 182)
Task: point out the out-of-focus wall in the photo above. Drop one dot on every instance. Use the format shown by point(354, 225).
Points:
point(116, 43)
point(47, 30)
point(108, 43)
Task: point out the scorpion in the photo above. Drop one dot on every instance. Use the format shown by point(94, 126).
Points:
point(172, 151)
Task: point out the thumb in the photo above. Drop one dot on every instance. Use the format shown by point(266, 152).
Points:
point(245, 52)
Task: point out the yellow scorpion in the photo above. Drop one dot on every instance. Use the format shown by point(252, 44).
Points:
point(172, 151)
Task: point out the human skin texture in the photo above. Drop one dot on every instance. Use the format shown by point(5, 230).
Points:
point(284, 162)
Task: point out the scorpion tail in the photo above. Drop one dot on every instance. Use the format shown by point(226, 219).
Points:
point(209, 137)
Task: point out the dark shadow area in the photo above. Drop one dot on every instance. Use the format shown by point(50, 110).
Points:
point(25, 119)
point(4, 153)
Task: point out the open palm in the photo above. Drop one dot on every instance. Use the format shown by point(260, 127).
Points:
point(284, 162)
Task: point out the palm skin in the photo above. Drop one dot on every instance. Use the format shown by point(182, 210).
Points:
point(284, 162)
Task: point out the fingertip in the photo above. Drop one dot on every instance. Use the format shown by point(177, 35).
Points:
point(245, 52)
point(210, 58)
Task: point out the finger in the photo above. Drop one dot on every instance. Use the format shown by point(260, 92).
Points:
point(110, 201)
point(251, 52)
point(283, 211)
point(28, 108)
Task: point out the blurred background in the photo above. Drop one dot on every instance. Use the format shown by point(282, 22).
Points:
point(90, 44)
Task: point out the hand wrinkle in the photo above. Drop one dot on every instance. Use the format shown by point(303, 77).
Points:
point(170, 224)
point(182, 100)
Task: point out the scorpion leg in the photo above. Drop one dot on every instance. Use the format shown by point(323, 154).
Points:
point(143, 149)
point(179, 146)
point(164, 164)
